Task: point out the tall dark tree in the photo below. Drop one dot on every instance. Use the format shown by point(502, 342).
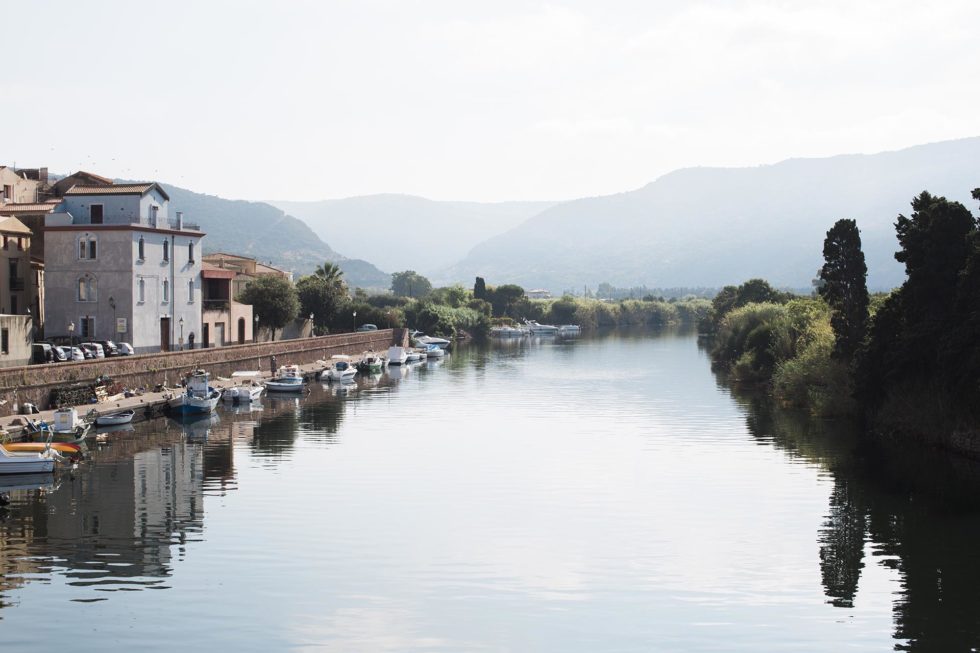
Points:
point(480, 289)
point(845, 288)
point(410, 284)
point(273, 300)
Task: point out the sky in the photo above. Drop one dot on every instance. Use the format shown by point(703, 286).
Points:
point(488, 101)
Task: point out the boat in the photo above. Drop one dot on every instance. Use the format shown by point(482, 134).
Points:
point(434, 351)
point(397, 356)
point(27, 462)
point(247, 389)
point(371, 364)
point(199, 397)
point(413, 356)
point(70, 449)
point(569, 330)
point(342, 370)
point(537, 329)
point(421, 339)
point(115, 419)
point(289, 379)
point(508, 332)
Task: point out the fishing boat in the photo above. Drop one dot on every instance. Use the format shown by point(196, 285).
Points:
point(397, 356)
point(248, 388)
point(371, 364)
point(115, 419)
point(341, 370)
point(27, 462)
point(199, 396)
point(289, 379)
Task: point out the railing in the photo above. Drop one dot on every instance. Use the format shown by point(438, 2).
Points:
point(216, 305)
point(17, 283)
point(164, 223)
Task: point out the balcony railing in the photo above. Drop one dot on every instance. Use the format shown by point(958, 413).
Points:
point(17, 283)
point(216, 305)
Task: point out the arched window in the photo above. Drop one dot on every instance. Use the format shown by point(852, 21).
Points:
point(190, 252)
point(166, 290)
point(87, 288)
point(190, 290)
point(142, 291)
point(166, 250)
point(142, 249)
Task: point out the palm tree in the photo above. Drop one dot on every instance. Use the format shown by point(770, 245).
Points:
point(330, 272)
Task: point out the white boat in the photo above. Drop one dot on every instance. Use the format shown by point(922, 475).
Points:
point(26, 462)
point(421, 339)
point(397, 355)
point(115, 419)
point(434, 351)
point(248, 388)
point(341, 370)
point(289, 379)
point(541, 329)
point(569, 330)
point(508, 332)
point(413, 356)
point(67, 423)
point(199, 397)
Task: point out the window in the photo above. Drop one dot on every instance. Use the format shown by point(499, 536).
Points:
point(87, 289)
point(8, 194)
point(142, 249)
point(88, 327)
point(190, 252)
point(4, 341)
point(190, 291)
point(142, 291)
point(87, 247)
point(166, 251)
point(166, 291)
point(95, 213)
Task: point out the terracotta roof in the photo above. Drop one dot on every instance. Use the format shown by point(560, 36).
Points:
point(15, 226)
point(31, 207)
point(92, 176)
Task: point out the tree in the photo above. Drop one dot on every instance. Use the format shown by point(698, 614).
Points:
point(329, 272)
point(320, 298)
point(504, 299)
point(273, 299)
point(410, 284)
point(845, 289)
point(480, 289)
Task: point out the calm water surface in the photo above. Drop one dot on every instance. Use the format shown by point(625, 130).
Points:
point(608, 494)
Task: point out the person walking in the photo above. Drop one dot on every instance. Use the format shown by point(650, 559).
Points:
point(273, 360)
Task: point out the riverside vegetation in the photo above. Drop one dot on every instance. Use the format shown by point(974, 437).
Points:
point(905, 361)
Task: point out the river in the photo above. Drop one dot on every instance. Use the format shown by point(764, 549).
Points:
point(604, 494)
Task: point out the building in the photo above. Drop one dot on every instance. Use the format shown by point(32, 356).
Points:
point(118, 266)
point(538, 293)
point(18, 293)
point(17, 188)
point(224, 321)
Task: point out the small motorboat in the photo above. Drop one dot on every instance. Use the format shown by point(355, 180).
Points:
point(115, 419)
point(243, 394)
point(27, 462)
point(71, 449)
point(434, 351)
point(200, 397)
point(289, 379)
point(342, 370)
point(371, 364)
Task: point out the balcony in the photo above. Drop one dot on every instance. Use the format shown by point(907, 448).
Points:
point(163, 223)
point(216, 305)
point(17, 283)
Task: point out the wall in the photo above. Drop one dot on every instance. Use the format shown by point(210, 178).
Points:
point(33, 383)
point(19, 331)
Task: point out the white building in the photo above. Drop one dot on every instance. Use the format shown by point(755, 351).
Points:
point(119, 267)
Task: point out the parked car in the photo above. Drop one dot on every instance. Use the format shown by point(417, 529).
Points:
point(75, 354)
point(368, 327)
point(61, 354)
point(125, 349)
point(109, 347)
point(93, 350)
point(41, 352)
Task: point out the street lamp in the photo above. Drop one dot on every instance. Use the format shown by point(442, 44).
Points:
point(181, 341)
point(112, 305)
point(71, 338)
point(355, 320)
point(255, 331)
point(312, 331)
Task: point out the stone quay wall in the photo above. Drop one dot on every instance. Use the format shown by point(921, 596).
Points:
point(34, 383)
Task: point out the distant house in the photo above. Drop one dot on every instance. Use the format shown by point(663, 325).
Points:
point(119, 266)
point(224, 277)
point(16, 188)
point(538, 293)
point(18, 293)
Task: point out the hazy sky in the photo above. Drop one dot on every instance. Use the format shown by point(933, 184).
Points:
point(462, 100)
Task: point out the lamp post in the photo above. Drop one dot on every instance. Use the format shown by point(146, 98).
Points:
point(112, 305)
point(71, 338)
point(181, 341)
point(312, 331)
point(255, 331)
point(355, 320)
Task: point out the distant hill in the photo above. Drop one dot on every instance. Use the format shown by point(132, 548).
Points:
point(716, 226)
point(266, 233)
point(403, 232)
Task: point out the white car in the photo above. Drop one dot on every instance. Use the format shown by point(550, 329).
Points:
point(75, 353)
point(93, 350)
point(125, 349)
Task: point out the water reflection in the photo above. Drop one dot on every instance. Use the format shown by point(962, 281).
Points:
point(914, 511)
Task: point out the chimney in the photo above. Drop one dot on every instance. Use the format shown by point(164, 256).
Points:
point(180, 220)
point(42, 175)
